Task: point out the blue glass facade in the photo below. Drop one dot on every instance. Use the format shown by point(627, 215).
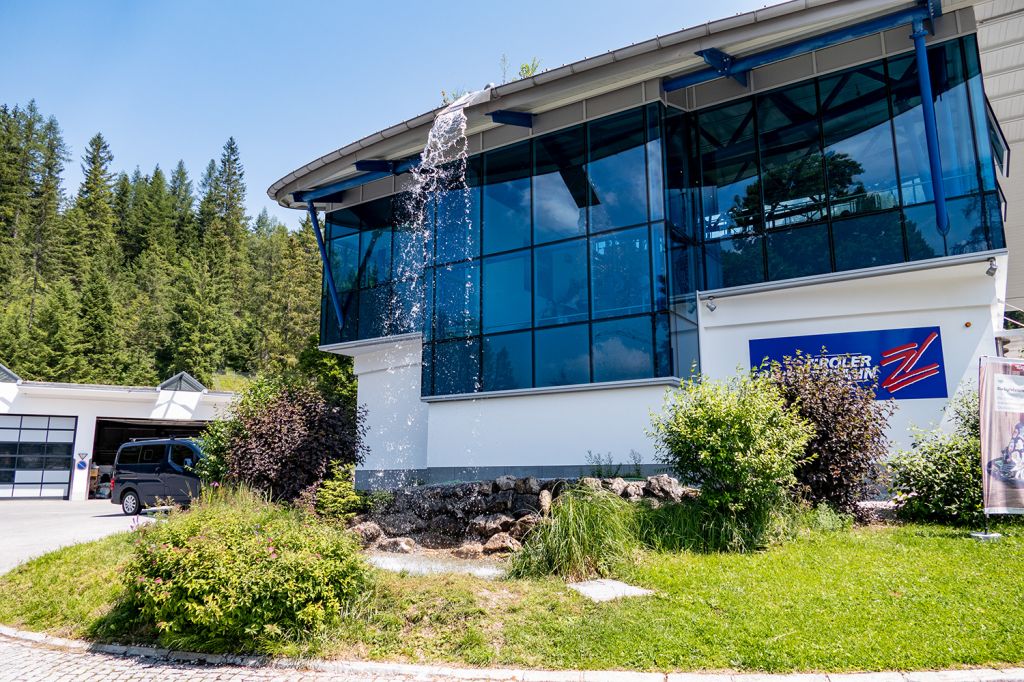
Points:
point(573, 256)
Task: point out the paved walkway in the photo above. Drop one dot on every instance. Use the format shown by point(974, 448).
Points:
point(30, 528)
point(31, 657)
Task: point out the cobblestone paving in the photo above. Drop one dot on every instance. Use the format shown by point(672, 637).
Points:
point(29, 662)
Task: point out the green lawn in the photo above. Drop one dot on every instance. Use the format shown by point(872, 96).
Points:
point(912, 597)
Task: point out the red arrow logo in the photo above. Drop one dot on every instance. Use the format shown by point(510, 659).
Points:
point(907, 373)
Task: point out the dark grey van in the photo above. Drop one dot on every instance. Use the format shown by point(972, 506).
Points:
point(159, 469)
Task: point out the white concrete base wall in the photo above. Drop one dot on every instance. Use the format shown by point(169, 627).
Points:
point(544, 429)
point(389, 376)
point(90, 403)
point(961, 300)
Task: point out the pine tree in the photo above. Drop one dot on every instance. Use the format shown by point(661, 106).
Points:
point(57, 350)
point(158, 206)
point(93, 212)
point(102, 344)
point(186, 227)
point(195, 330)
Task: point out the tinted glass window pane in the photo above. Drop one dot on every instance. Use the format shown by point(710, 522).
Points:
point(728, 158)
point(662, 346)
point(868, 241)
point(560, 283)
point(966, 225)
point(685, 340)
point(953, 119)
point(912, 150)
point(344, 259)
point(507, 199)
point(409, 303)
point(791, 159)
point(507, 292)
point(128, 456)
point(409, 252)
point(798, 252)
point(682, 179)
point(997, 239)
point(458, 225)
point(456, 367)
point(732, 262)
point(58, 463)
point(562, 355)
point(508, 361)
point(374, 312)
point(617, 172)
point(341, 223)
point(859, 158)
point(659, 265)
point(427, 370)
point(655, 163)
point(349, 303)
point(457, 310)
point(982, 138)
point(561, 192)
point(58, 449)
point(36, 462)
point(623, 349)
point(923, 239)
point(620, 273)
point(375, 247)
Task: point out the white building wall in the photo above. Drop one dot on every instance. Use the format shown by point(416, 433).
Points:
point(961, 300)
point(90, 403)
point(389, 376)
point(554, 429)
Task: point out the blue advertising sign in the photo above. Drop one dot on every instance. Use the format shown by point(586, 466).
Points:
point(905, 364)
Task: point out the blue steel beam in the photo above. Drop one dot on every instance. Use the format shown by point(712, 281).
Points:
point(722, 63)
point(512, 118)
point(394, 168)
point(328, 274)
point(376, 166)
point(841, 35)
point(931, 133)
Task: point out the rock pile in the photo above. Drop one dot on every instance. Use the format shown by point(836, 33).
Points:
point(487, 517)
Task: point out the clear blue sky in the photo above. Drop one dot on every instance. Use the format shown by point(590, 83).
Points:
point(173, 79)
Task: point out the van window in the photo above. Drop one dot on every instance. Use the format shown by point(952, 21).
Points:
point(182, 456)
point(128, 456)
point(151, 454)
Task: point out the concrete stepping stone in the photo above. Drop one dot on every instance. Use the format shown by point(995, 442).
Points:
point(607, 590)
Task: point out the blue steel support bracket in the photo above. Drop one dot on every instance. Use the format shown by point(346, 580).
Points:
point(328, 275)
point(931, 133)
point(376, 166)
point(512, 118)
point(723, 64)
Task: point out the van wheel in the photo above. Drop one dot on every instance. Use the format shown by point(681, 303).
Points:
point(130, 503)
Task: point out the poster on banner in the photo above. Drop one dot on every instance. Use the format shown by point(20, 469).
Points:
point(1001, 392)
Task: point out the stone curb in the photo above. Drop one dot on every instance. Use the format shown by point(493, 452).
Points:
point(427, 672)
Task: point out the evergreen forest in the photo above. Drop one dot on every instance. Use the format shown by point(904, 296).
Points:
point(136, 275)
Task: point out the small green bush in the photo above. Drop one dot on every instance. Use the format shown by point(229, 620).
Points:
point(238, 573)
point(589, 532)
point(736, 439)
point(336, 498)
point(939, 478)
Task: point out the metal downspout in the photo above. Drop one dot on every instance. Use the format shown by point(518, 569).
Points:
point(328, 275)
point(930, 130)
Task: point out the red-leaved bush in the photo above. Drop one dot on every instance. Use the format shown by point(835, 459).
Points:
point(843, 457)
point(289, 445)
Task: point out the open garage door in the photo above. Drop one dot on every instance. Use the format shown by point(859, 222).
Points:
point(112, 433)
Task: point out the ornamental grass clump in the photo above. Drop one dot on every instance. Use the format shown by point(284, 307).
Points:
point(590, 532)
point(240, 574)
point(739, 442)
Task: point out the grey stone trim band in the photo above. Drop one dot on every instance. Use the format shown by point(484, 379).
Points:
point(384, 479)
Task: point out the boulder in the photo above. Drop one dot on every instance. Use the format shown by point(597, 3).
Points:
point(633, 491)
point(616, 486)
point(528, 486)
point(397, 545)
point(524, 526)
point(400, 524)
point(544, 502)
point(504, 483)
point(499, 502)
point(488, 524)
point(592, 483)
point(664, 487)
point(448, 526)
point(525, 504)
point(368, 532)
point(502, 542)
point(468, 550)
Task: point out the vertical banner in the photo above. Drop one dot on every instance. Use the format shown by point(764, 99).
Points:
point(1001, 391)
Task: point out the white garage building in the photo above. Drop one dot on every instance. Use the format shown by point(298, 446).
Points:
point(59, 440)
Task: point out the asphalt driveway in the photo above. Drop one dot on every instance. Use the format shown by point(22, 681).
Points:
point(29, 528)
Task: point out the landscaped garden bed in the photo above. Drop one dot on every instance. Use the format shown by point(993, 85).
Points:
point(867, 598)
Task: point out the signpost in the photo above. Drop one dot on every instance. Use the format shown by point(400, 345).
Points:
point(1001, 397)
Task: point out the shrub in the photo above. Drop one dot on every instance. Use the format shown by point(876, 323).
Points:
point(849, 439)
point(939, 478)
point(696, 527)
point(336, 498)
point(736, 439)
point(589, 532)
point(282, 436)
point(238, 573)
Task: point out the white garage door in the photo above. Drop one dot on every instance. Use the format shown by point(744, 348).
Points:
point(35, 455)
